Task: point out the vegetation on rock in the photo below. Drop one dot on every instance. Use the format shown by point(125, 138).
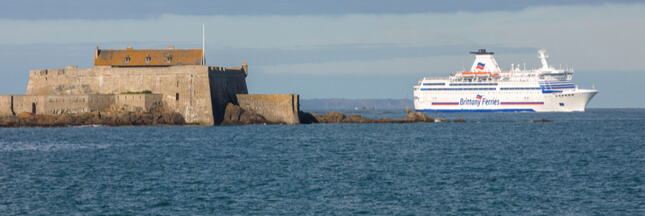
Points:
point(139, 92)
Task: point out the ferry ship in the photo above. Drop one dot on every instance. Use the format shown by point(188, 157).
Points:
point(486, 88)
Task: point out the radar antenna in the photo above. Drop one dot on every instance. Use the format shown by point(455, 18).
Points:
point(543, 56)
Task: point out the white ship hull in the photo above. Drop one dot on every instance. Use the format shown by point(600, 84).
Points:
point(573, 101)
point(486, 88)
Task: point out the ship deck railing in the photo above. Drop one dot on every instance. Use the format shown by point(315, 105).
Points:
point(434, 78)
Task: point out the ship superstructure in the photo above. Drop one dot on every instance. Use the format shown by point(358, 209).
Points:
point(486, 88)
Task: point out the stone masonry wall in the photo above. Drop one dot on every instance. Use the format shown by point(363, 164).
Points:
point(5, 105)
point(56, 104)
point(282, 108)
point(145, 101)
point(59, 104)
point(194, 91)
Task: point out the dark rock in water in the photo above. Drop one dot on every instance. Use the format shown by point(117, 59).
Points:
point(358, 119)
point(113, 116)
point(460, 120)
point(235, 115)
point(307, 118)
point(334, 117)
point(415, 117)
point(384, 120)
point(543, 120)
point(338, 117)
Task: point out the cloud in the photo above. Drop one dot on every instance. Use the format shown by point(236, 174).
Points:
point(379, 67)
point(378, 47)
point(146, 9)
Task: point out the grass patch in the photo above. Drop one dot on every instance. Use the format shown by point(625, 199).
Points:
point(139, 92)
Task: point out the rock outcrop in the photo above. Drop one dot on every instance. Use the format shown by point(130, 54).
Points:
point(460, 120)
point(543, 120)
point(113, 116)
point(338, 117)
point(235, 115)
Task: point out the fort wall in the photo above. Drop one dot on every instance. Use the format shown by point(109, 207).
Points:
point(59, 104)
point(282, 108)
point(6, 105)
point(199, 93)
point(145, 101)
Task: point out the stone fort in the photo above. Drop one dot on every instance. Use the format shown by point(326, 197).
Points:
point(178, 79)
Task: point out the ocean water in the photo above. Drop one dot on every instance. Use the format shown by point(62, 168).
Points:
point(590, 163)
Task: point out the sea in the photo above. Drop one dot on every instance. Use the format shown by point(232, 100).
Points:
point(588, 163)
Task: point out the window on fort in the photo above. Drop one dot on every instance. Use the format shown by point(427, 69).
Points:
point(177, 96)
point(169, 59)
point(147, 59)
point(127, 59)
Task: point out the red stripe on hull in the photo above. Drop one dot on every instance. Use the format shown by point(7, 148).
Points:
point(531, 103)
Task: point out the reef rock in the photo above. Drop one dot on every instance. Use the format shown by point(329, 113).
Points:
point(235, 115)
point(113, 116)
point(543, 120)
point(338, 117)
point(417, 117)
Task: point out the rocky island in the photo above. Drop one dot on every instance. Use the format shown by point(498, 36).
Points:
point(236, 115)
point(159, 87)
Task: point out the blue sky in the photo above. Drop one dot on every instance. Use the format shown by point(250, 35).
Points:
point(339, 49)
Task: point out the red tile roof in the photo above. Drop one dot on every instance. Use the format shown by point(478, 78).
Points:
point(147, 57)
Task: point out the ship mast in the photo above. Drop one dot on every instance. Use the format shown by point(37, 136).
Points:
point(203, 45)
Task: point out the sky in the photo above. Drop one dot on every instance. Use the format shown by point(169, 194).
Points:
point(355, 49)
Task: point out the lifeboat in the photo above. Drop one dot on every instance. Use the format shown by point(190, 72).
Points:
point(483, 74)
point(468, 75)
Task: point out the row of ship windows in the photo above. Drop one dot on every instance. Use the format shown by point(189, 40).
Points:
point(461, 84)
point(455, 89)
point(565, 95)
point(487, 93)
point(534, 88)
point(474, 89)
point(473, 84)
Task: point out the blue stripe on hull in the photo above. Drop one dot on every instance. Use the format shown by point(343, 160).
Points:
point(476, 110)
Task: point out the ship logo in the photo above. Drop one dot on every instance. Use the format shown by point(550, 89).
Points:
point(480, 66)
point(479, 97)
